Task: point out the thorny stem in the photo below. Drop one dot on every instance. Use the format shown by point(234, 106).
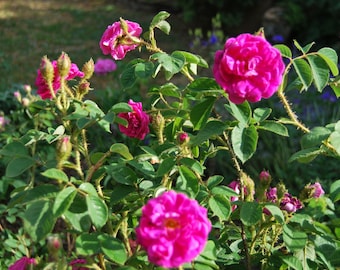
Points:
point(290, 112)
point(96, 166)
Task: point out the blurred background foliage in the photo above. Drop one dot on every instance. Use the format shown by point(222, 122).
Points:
point(31, 29)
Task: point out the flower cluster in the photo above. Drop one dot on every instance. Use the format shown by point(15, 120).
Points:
point(44, 90)
point(173, 229)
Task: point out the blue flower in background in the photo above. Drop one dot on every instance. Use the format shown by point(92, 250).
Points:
point(213, 39)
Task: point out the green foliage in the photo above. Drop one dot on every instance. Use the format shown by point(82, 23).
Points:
point(59, 180)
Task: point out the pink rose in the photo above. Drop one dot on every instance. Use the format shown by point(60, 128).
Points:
point(173, 229)
point(117, 43)
point(234, 185)
point(248, 68)
point(103, 66)
point(272, 195)
point(22, 263)
point(317, 190)
point(290, 203)
point(43, 90)
point(138, 121)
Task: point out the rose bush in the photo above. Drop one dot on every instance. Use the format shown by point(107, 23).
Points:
point(129, 186)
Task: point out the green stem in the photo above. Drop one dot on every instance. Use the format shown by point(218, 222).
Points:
point(290, 112)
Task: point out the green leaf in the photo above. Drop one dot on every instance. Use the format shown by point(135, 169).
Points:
point(304, 72)
point(80, 222)
point(193, 164)
point(89, 189)
point(87, 244)
point(274, 127)
point(211, 129)
point(261, 114)
point(128, 77)
point(241, 112)
point(120, 192)
point(315, 137)
point(98, 211)
point(159, 17)
point(41, 192)
point(304, 49)
point(56, 174)
point(63, 200)
point(251, 213)
point(334, 191)
point(121, 107)
point(113, 248)
point(39, 220)
point(220, 206)
point(122, 174)
point(187, 181)
point(121, 149)
point(166, 166)
point(224, 190)
point(330, 56)
point(293, 238)
point(14, 149)
point(164, 26)
point(292, 262)
point(214, 180)
point(170, 90)
point(200, 113)
point(334, 139)
point(275, 211)
point(305, 155)
point(144, 70)
point(244, 141)
point(19, 165)
point(205, 85)
point(285, 51)
point(320, 71)
point(191, 58)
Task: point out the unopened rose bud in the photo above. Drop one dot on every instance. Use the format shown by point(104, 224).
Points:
point(265, 176)
point(311, 191)
point(46, 69)
point(281, 190)
point(27, 88)
point(158, 123)
point(17, 95)
point(84, 87)
point(64, 148)
point(53, 247)
point(88, 69)
point(183, 138)
point(25, 102)
point(249, 185)
point(64, 64)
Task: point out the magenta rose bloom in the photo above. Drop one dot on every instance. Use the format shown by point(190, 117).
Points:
point(43, 90)
point(173, 229)
point(103, 66)
point(248, 68)
point(115, 42)
point(290, 204)
point(138, 121)
point(22, 263)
